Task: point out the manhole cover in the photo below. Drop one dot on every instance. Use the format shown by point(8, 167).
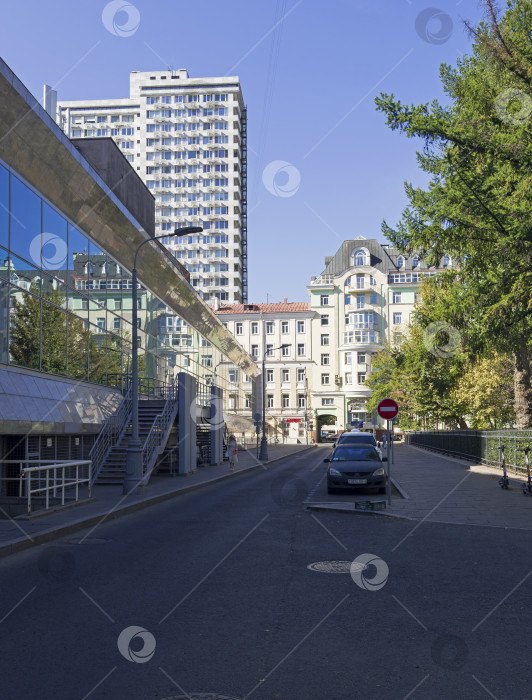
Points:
point(332, 567)
point(202, 696)
point(88, 540)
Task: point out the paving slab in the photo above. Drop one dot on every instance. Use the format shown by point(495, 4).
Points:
point(447, 490)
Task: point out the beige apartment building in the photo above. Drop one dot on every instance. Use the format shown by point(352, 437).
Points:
point(362, 300)
point(281, 335)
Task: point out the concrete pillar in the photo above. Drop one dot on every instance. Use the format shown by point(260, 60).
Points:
point(187, 422)
point(217, 425)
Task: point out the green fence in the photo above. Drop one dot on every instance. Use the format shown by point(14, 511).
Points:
point(477, 446)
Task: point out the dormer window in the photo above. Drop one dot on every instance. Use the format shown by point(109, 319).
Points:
point(415, 261)
point(359, 258)
point(400, 261)
point(89, 268)
point(446, 260)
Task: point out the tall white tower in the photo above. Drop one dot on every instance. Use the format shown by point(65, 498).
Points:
point(187, 139)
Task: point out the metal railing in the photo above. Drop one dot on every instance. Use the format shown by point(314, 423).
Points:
point(110, 435)
point(478, 446)
point(56, 479)
point(159, 431)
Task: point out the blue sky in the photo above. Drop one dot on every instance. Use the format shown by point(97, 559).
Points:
point(323, 167)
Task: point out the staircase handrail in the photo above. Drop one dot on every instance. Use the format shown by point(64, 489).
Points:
point(159, 431)
point(110, 435)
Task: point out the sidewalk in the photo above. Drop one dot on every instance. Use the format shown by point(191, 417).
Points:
point(108, 501)
point(446, 490)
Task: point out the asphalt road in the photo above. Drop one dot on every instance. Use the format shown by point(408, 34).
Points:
point(219, 580)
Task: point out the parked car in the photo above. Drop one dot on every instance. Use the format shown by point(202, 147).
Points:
point(356, 466)
point(358, 439)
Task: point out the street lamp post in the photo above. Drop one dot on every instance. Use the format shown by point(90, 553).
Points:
point(134, 472)
point(263, 454)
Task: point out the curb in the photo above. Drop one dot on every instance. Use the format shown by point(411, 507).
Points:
point(22, 543)
point(348, 508)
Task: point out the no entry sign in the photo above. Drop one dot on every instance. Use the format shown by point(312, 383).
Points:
point(388, 409)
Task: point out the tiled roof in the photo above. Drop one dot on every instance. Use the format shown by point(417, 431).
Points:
point(288, 308)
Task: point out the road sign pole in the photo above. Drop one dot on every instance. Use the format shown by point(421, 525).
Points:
point(392, 446)
point(389, 481)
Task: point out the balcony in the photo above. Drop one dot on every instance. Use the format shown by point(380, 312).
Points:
point(361, 337)
point(323, 280)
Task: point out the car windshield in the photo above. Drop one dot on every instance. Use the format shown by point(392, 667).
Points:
point(357, 437)
point(350, 453)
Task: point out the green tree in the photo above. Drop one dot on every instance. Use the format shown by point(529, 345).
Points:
point(478, 205)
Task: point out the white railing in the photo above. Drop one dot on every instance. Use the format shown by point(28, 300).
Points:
point(54, 481)
point(324, 279)
point(110, 435)
point(159, 432)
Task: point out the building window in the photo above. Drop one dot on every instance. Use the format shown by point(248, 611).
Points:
point(361, 377)
point(300, 375)
point(254, 328)
point(285, 400)
point(324, 319)
point(285, 350)
point(300, 349)
point(397, 337)
point(325, 359)
point(397, 317)
point(446, 260)
point(239, 329)
point(100, 322)
point(116, 323)
point(269, 401)
point(348, 358)
point(232, 401)
point(327, 402)
point(269, 375)
point(324, 299)
point(233, 376)
point(269, 327)
point(359, 258)
point(373, 298)
point(301, 401)
point(301, 326)
point(206, 360)
point(361, 301)
point(325, 379)
point(248, 401)
point(269, 350)
point(324, 339)
point(400, 261)
point(285, 375)
point(284, 326)
point(396, 298)
point(348, 378)
point(415, 261)
point(254, 351)
point(361, 358)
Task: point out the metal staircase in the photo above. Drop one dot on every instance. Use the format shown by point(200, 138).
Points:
point(156, 417)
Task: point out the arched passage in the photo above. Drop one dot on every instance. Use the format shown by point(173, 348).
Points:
point(321, 420)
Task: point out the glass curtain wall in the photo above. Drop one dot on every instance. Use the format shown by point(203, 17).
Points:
point(66, 307)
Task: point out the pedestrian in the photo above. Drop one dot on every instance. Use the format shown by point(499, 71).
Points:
point(232, 452)
point(384, 441)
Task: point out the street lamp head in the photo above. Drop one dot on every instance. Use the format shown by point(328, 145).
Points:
point(187, 230)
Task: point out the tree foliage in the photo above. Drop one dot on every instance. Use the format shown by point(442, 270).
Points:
point(478, 204)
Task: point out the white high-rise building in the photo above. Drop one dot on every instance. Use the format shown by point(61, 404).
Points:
point(186, 138)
